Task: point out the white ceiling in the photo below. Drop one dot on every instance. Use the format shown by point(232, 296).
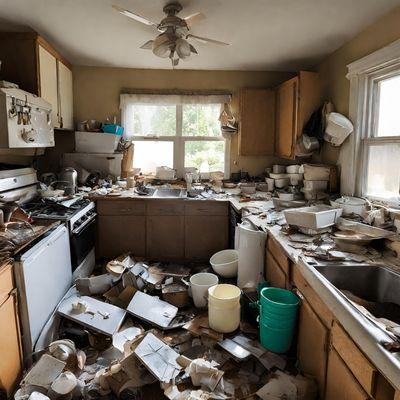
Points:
point(264, 34)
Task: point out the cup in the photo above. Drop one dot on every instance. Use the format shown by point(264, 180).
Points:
point(200, 283)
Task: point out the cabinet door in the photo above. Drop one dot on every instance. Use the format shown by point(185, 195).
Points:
point(312, 345)
point(10, 350)
point(65, 96)
point(204, 236)
point(286, 118)
point(165, 237)
point(121, 234)
point(48, 82)
point(257, 122)
point(274, 274)
point(341, 383)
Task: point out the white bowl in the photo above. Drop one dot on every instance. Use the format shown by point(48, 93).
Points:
point(225, 263)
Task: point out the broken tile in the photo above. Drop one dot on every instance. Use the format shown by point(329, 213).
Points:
point(158, 357)
point(152, 309)
point(99, 316)
point(235, 350)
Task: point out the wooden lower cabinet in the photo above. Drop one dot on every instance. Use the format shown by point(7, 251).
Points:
point(341, 384)
point(312, 345)
point(204, 236)
point(273, 273)
point(117, 234)
point(165, 237)
point(10, 338)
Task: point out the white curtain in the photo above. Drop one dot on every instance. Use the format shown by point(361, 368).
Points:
point(172, 99)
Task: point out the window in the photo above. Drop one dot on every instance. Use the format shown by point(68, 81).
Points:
point(370, 160)
point(169, 131)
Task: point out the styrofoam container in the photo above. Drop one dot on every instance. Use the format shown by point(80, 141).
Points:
point(293, 169)
point(96, 142)
point(315, 185)
point(281, 183)
point(278, 169)
point(286, 196)
point(350, 205)
point(315, 217)
point(316, 172)
point(271, 184)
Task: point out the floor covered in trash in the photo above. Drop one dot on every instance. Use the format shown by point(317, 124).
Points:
point(132, 332)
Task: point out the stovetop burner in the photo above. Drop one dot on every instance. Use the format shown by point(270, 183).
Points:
point(50, 209)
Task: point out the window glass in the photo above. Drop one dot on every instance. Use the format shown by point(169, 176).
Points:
point(201, 120)
point(149, 120)
point(389, 107)
point(151, 154)
point(206, 156)
point(383, 178)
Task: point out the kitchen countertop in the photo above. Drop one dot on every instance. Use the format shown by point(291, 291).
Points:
point(367, 336)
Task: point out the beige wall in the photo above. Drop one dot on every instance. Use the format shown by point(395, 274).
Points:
point(97, 90)
point(333, 69)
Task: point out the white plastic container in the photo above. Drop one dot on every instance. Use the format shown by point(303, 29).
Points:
point(224, 308)
point(225, 263)
point(251, 246)
point(199, 285)
point(271, 184)
point(315, 185)
point(338, 127)
point(293, 169)
point(350, 205)
point(278, 169)
point(281, 183)
point(96, 142)
point(165, 173)
point(315, 217)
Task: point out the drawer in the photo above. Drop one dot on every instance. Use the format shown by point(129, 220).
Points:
point(312, 297)
point(358, 364)
point(276, 250)
point(6, 281)
point(202, 207)
point(121, 207)
point(165, 207)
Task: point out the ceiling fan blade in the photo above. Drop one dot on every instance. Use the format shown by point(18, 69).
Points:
point(134, 16)
point(206, 40)
point(194, 18)
point(148, 45)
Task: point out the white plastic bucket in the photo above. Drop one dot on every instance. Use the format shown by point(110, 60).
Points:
point(225, 263)
point(199, 284)
point(224, 308)
point(251, 247)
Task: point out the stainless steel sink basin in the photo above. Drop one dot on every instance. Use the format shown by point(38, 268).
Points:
point(169, 193)
point(372, 283)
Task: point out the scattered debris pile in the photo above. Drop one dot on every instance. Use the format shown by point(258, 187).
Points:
point(118, 339)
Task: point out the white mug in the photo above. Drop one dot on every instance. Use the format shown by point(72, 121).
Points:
point(200, 283)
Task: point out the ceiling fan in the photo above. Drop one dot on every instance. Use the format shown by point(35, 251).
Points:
point(172, 42)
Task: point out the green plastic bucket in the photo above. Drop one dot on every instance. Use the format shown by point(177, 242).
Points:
point(278, 315)
point(276, 321)
point(276, 340)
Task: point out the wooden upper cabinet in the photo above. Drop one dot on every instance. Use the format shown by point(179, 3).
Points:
point(48, 81)
point(65, 96)
point(256, 122)
point(32, 63)
point(296, 100)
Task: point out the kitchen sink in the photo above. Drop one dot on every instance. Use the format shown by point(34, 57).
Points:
point(170, 193)
point(378, 286)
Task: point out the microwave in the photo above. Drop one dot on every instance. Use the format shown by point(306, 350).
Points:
point(25, 120)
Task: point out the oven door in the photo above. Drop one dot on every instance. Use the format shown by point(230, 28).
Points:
point(82, 241)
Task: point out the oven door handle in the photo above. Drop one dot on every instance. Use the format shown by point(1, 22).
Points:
point(80, 228)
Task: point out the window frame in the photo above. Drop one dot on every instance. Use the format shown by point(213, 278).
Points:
point(179, 141)
point(365, 75)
